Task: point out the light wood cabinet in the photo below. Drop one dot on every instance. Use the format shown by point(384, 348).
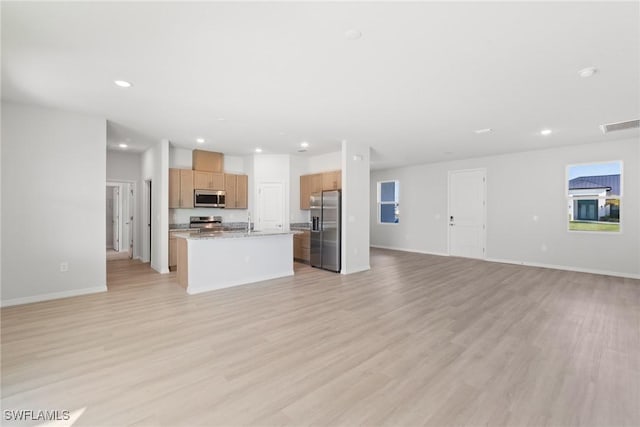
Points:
point(305, 191)
point(208, 180)
point(302, 246)
point(208, 161)
point(180, 188)
point(230, 188)
point(236, 187)
point(332, 180)
point(316, 183)
point(242, 192)
point(173, 251)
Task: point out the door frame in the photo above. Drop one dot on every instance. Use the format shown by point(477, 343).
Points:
point(484, 208)
point(146, 221)
point(130, 214)
point(111, 185)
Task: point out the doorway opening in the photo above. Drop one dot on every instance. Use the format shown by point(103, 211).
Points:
point(147, 233)
point(120, 214)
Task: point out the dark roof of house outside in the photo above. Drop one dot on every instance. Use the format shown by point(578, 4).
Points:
point(611, 182)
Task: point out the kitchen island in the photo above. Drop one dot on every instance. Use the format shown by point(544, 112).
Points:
point(215, 260)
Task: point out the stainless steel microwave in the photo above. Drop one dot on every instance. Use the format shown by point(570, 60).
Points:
point(208, 198)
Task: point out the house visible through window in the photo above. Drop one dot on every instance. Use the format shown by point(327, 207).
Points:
point(594, 193)
point(388, 202)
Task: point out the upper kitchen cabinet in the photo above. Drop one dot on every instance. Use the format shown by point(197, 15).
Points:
point(180, 188)
point(236, 187)
point(316, 183)
point(332, 180)
point(208, 161)
point(305, 191)
point(242, 195)
point(208, 180)
point(309, 184)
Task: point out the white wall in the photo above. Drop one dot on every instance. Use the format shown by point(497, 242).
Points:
point(53, 203)
point(155, 167)
point(123, 166)
point(325, 162)
point(355, 207)
point(127, 167)
point(526, 209)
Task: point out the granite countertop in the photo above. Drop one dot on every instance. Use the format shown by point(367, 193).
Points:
point(173, 227)
point(300, 226)
point(229, 234)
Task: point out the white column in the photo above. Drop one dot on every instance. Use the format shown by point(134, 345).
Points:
point(355, 207)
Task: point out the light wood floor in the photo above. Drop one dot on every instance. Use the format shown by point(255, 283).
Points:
point(417, 340)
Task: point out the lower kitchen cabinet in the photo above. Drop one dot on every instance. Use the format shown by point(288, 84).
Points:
point(173, 252)
point(302, 246)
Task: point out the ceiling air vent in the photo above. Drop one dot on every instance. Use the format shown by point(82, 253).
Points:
point(612, 127)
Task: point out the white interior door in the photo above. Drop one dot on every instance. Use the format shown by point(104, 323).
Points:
point(467, 198)
point(116, 219)
point(270, 206)
point(130, 214)
point(109, 217)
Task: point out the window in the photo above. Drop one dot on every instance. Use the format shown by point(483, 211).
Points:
point(594, 195)
point(388, 202)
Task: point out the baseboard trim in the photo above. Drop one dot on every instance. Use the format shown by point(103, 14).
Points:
point(160, 270)
point(566, 268)
point(356, 270)
point(52, 296)
point(193, 291)
point(393, 248)
point(525, 263)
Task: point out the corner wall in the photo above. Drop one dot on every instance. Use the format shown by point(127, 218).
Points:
point(155, 167)
point(355, 207)
point(53, 204)
point(526, 210)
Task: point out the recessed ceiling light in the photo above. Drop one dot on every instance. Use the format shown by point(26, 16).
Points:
point(258, 150)
point(587, 72)
point(545, 132)
point(486, 130)
point(353, 34)
point(221, 119)
point(123, 145)
point(200, 140)
point(122, 83)
point(304, 144)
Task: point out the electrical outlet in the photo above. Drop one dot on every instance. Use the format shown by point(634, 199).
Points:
point(64, 266)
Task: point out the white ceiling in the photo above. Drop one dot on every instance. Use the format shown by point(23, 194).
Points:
point(417, 84)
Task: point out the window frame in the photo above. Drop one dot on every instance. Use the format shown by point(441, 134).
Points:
point(395, 202)
point(569, 199)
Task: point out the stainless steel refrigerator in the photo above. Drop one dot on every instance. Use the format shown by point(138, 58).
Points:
point(326, 230)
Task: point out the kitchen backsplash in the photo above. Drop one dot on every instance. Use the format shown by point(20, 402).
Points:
point(181, 216)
